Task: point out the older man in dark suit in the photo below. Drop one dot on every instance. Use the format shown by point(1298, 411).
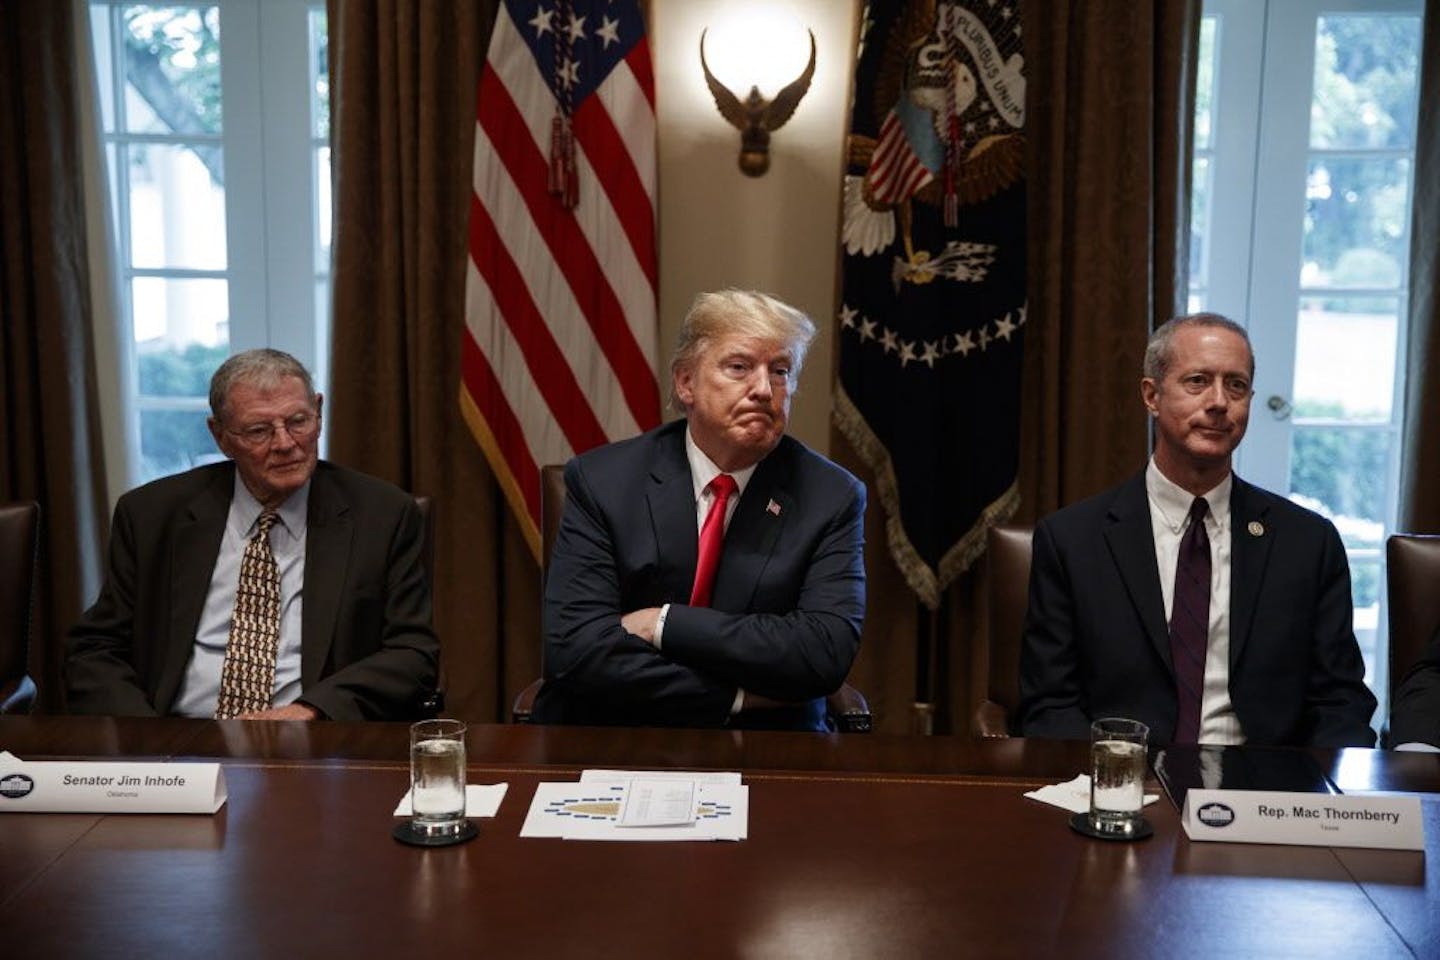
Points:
point(708, 572)
point(271, 586)
point(1186, 598)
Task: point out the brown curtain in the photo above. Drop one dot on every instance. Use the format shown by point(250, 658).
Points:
point(50, 447)
point(1109, 89)
point(1420, 456)
point(1109, 97)
point(404, 77)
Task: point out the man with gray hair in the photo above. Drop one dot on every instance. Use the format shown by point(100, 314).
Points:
point(272, 585)
point(1186, 598)
point(708, 572)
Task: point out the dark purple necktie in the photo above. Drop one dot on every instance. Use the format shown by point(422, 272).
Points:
point(1190, 622)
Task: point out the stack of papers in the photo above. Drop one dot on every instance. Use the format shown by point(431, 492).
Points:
point(641, 805)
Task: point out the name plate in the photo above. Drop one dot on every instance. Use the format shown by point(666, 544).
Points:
point(80, 786)
point(1309, 819)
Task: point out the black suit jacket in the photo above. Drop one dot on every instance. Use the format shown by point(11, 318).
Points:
point(367, 647)
point(1415, 714)
point(1097, 643)
point(787, 605)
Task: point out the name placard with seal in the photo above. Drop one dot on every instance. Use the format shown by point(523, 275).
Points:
point(1307, 819)
point(81, 786)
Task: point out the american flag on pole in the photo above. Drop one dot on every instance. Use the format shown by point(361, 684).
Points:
point(558, 353)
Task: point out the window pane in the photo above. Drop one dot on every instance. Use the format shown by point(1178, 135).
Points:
point(1356, 222)
point(319, 74)
point(1340, 472)
point(174, 440)
point(1200, 190)
point(1205, 85)
point(322, 210)
point(168, 371)
point(172, 65)
point(1365, 70)
point(172, 314)
point(1365, 587)
point(104, 64)
point(177, 209)
point(1345, 357)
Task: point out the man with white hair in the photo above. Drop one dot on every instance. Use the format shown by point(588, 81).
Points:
point(710, 571)
point(271, 586)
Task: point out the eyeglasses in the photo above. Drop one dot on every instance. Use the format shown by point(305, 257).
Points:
point(300, 426)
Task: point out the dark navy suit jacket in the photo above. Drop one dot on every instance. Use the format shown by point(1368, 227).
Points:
point(1097, 643)
point(787, 605)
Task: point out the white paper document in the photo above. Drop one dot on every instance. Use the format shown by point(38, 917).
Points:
point(481, 800)
point(596, 808)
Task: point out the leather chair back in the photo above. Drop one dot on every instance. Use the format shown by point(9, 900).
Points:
point(1007, 592)
point(19, 547)
point(427, 515)
point(1413, 591)
point(552, 504)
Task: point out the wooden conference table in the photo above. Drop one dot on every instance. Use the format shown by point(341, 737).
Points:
point(859, 846)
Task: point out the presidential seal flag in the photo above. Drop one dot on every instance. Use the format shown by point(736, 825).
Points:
point(558, 353)
point(933, 305)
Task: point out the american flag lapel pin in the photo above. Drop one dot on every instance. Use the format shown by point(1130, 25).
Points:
point(772, 508)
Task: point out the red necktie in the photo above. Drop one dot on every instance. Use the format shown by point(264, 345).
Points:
point(712, 533)
point(1190, 622)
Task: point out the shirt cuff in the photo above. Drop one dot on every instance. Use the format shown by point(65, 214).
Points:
point(660, 625)
point(739, 703)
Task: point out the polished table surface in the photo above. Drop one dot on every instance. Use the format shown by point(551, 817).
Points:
point(863, 846)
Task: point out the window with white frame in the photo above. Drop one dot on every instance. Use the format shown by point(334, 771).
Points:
point(1304, 151)
point(215, 124)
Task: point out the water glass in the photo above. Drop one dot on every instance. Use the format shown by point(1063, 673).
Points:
point(1117, 775)
point(437, 777)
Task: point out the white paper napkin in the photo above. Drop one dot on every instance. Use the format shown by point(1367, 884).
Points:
point(1073, 795)
point(481, 800)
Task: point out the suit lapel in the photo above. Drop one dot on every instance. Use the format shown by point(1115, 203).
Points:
point(671, 499)
point(194, 550)
point(329, 528)
point(1132, 545)
point(1249, 555)
point(753, 532)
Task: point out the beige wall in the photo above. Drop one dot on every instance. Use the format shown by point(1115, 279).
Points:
point(776, 233)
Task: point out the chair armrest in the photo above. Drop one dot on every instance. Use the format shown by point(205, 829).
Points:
point(990, 722)
point(525, 702)
point(849, 710)
point(17, 696)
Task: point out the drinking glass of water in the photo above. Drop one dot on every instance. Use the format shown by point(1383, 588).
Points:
point(1117, 776)
point(437, 777)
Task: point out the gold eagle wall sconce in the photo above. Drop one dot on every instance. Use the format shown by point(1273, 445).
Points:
point(755, 117)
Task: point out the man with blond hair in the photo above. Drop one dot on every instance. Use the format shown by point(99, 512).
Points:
point(710, 571)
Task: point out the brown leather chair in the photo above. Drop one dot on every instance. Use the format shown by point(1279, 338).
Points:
point(847, 707)
point(1007, 591)
point(19, 546)
point(1413, 591)
point(434, 703)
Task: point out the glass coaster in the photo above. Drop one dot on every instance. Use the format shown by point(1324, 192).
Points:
point(1080, 823)
point(405, 832)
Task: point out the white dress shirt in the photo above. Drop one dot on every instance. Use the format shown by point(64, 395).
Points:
point(702, 471)
point(1169, 518)
point(200, 687)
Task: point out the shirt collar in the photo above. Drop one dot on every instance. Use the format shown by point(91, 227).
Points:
point(246, 509)
point(1172, 501)
point(703, 469)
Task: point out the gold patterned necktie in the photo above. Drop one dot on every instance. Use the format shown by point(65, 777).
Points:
point(247, 680)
